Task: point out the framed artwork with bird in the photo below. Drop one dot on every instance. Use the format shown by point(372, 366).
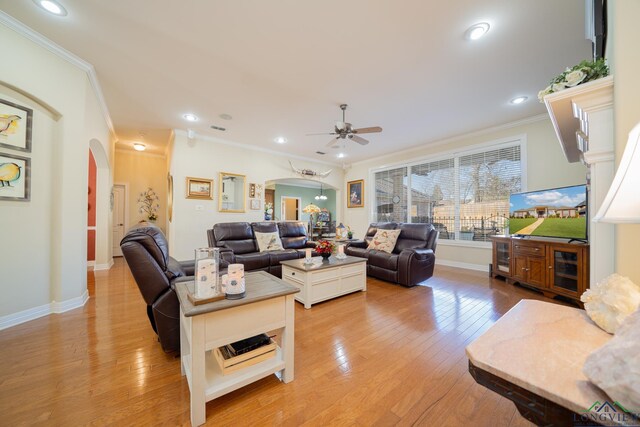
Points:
point(15, 126)
point(15, 173)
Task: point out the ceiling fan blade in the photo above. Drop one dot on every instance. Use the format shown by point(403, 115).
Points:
point(373, 129)
point(325, 133)
point(358, 139)
point(333, 141)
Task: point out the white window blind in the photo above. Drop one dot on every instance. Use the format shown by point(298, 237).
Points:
point(391, 195)
point(465, 196)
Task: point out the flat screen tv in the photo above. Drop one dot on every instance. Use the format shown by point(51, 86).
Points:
point(556, 212)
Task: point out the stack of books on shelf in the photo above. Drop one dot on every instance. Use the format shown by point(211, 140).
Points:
point(244, 353)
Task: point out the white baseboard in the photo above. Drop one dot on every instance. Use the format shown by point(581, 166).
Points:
point(43, 310)
point(468, 266)
point(105, 266)
point(90, 265)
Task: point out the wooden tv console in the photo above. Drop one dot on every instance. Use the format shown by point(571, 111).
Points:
point(555, 268)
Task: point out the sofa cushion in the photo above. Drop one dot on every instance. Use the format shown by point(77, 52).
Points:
point(253, 261)
point(237, 236)
point(384, 240)
point(412, 236)
point(383, 260)
point(293, 234)
point(284, 255)
point(374, 226)
point(268, 241)
point(265, 227)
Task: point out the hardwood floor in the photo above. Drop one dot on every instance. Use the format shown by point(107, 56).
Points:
point(388, 356)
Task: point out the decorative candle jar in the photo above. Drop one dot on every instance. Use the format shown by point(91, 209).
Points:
point(207, 266)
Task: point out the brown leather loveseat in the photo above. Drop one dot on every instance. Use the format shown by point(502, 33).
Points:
point(240, 238)
point(412, 260)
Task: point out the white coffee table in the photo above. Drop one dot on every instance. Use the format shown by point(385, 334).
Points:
point(325, 280)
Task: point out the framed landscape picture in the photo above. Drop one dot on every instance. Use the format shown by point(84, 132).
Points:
point(355, 194)
point(15, 177)
point(15, 126)
point(199, 188)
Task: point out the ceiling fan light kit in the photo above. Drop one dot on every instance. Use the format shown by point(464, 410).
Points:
point(344, 130)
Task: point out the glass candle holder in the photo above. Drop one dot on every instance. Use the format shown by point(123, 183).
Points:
point(207, 266)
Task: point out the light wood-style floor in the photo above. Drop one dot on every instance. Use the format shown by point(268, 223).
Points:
point(388, 356)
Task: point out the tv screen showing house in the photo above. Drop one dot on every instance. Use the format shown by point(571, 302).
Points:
point(556, 212)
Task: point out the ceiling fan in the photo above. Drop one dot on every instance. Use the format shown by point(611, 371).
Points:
point(344, 130)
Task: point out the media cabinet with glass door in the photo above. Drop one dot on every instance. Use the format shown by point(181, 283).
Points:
point(555, 268)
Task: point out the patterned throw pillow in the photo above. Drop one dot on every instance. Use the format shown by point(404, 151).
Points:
point(269, 241)
point(384, 240)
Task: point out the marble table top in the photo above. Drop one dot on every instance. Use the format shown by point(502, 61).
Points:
point(542, 348)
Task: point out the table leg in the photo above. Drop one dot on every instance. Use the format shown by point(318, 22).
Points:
point(287, 339)
point(184, 350)
point(198, 373)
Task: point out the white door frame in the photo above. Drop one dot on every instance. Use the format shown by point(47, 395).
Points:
point(125, 205)
point(282, 207)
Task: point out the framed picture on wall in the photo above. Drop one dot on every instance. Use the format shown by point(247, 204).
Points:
point(15, 126)
point(199, 188)
point(15, 178)
point(355, 194)
point(254, 204)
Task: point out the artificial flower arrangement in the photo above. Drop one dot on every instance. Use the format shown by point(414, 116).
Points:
point(148, 205)
point(324, 247)
point(584, 72)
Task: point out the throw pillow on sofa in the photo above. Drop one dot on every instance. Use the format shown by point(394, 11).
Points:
point(384, 240)
point(269, 241)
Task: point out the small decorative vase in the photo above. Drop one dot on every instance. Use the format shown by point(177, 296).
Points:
point(325, 256)
point(349, 235)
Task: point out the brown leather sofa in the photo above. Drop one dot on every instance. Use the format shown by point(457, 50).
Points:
point(146, 251)
point(412, 260)
point(240, 238)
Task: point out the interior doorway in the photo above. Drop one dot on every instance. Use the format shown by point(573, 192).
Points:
point(120, 222)
point(290, 208)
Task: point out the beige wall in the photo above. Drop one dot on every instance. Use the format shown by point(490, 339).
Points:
point(141, 171)
point(624, 60)
point(546, 168)
point(43, 260)
point(206, 158)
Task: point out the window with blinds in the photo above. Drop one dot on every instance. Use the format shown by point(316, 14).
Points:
point(391, 195)
point(465, 196)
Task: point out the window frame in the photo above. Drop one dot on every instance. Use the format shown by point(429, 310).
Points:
point(456, 153)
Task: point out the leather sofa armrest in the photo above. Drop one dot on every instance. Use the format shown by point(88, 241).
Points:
point(226, 257)
point(188, 267)
point(357, 244)
point(415, 265)
point(311, 245)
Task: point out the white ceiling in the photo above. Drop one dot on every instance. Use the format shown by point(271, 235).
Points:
point(282, 67)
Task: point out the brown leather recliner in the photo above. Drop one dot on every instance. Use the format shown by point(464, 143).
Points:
point(146, 251)
point(240, 238)
point(412, 260)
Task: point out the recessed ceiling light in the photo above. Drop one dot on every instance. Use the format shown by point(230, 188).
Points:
point(280, 140)
point(225, 116)
point(341, 155)
point(139, 147)
point(190, 117)
point(519, 100)
point(476, 31)
point(52, 6)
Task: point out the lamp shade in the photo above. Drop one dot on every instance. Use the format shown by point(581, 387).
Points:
point(622, 203)
point(311, 208)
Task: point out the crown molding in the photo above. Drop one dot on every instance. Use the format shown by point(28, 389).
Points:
point(255, 148)
point(42, 41)
point(485, 131)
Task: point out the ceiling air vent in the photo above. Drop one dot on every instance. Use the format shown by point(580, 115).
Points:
point(217, 128)
point(320, 152)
